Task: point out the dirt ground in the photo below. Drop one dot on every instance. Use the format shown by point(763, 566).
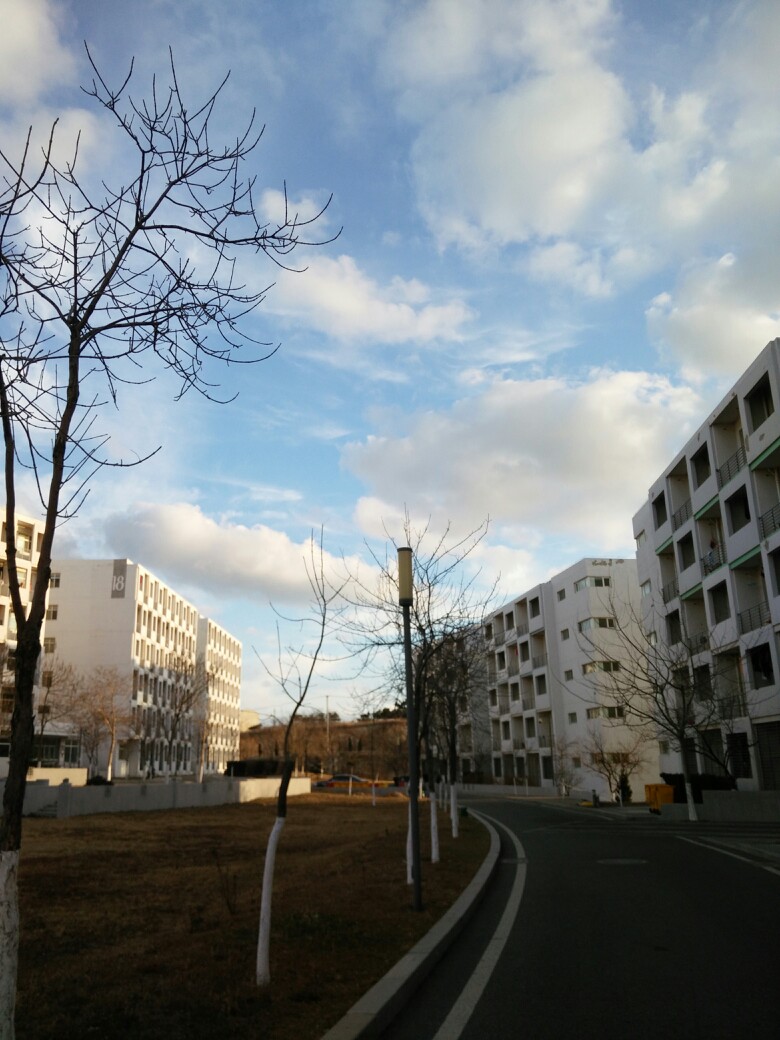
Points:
point(144, 925)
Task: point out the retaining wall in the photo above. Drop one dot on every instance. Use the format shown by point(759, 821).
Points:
point(66, 800)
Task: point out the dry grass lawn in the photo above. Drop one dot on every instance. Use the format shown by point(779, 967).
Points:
point(144, 925)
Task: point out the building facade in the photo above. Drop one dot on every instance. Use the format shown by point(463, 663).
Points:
point(708, 556)
point(548, 707)
point(29, 533)
point(152, 652)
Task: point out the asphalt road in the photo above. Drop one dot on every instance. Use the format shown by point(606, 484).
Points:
point(611, 925)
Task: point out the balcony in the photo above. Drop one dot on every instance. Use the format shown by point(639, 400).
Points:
point(539, 661)
point(769, 521)
point(670, 591)
point(519, 744)
point(522, 630)
point(713, 558)
point(685, 512)
point(754, 617)
point(731, 467)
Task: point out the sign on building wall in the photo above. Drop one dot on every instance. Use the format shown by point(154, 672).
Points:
point(119, 579)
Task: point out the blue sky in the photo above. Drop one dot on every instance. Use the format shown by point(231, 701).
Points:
point(559, 248)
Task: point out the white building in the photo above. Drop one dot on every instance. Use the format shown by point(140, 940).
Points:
point(29, 533)
point(708, 555)
point(544, 693)
point(219, 659)
point(115, 615)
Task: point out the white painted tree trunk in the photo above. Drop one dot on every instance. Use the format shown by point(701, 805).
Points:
point(263, 969)
point(409, 874)
point(454, 810)
point(434, 828)
point(9, 940)
point(693, 816)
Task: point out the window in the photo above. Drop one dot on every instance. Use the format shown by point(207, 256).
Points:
point(514, 693)
point(591, 582)
point(738, 510)
point(595, 622)
point(700, 465)
point(572, 718)
point(761, 668)
point(534, 607)
point(564, 633)
point(645, 589)
point(660, 516)
point(719, 603)
point(663, 747)
point(600, 666)
point(652, 639)
point(759, 402)
point(738, 754)
point(568, 675)
point(615, 711)
point(547, 768)
point(21, 573)
point(54, 581)
point(561, 594)
point(685, 552)
point(673, 628)
point(593, 713)
point(51, 612)
point(641, 538)
point(530, 727)
point(576, 762)
point(49, 645)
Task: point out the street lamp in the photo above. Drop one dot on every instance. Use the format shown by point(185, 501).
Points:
point(405, 600)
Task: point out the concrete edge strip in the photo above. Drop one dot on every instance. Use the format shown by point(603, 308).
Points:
point(756, 860)
point(377, 1008)
point(461, 1011)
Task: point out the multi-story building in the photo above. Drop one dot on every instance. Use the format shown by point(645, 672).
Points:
point(29, 533)
point(546, 700)
point(152, 653)
point(219, 664)
point(708, 555)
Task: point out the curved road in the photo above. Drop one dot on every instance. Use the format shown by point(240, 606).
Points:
point(606, 924)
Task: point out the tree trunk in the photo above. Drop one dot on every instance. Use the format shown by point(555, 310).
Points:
point(9, 940)
point(693, 815)
point(454, 808)
point(22, 737)
point(263, 965)
point(409, 857)
point(434, 827)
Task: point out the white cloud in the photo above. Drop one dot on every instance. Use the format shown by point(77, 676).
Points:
point(336, 297)
point(192, 550)
point(714, 323)
point(32, 55)
point(559, 458)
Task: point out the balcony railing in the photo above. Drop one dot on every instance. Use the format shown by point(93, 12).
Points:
point(685, 512)
point(522, 630)
point(510, 635)
point(519, 743)
point(539, 661)
point(528, 704)
point(714, 557)
point(500, 638)
point(670, 591)
point(769, 521)
point(754, 617)
point(731, 467)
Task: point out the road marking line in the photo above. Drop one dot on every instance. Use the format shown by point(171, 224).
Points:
point(728, 852)
point(461, 1011)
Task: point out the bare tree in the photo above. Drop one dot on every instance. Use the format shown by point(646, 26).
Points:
point(184, 708)
point(57, 697)
point(98, 281)
point(104, 711)
point(564, 766)
point(680, 686)
point(616, 757)
point(448, 605)
point(294, 672)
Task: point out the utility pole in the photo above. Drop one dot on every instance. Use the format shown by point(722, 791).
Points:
point(406, 599)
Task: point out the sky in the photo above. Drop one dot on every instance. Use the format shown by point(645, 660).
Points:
point(558, 249)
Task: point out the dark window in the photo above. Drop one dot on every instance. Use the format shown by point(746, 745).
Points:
point(685, 552)
point(700, 465)
point(759, 402)
point(660, 515)
point(738, 510)
point(738, 754)
point(719, 602)
point(761, 669)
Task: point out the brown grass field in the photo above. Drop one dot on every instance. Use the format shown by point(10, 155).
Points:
point(144, 925)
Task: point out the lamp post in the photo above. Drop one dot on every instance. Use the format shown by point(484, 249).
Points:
point(405, 599)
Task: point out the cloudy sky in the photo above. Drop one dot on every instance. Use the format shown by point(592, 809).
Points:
point(558, 250)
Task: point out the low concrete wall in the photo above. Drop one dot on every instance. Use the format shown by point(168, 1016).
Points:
point(66, 800)
point(730, 807)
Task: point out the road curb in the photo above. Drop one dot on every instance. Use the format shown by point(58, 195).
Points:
point(377, 1008)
